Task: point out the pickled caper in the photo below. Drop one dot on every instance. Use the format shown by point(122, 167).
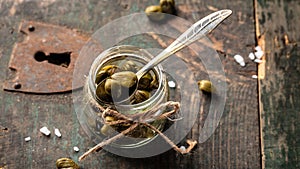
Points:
point(149, 133)
point(64, 163)
point(105, 72)
point(129, 66)
point(101, 75)
point(110, 68)
point(119, 86)
point(126, 79)
point(101, 93)
point(107, 130)
point(154, 83)
point(111, 84)
point(206, 86)
point(109, 119)
point(155, 13)
point(145, 82)
point(140, 96)
point(167, 6)
point(153, 8)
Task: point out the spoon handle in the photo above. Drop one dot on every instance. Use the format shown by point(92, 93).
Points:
point(195, 32)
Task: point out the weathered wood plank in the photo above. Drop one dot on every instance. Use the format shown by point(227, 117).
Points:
point(278, 33)
point(235, 143)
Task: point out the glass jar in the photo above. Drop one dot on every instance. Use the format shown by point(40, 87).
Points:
point(90, 115)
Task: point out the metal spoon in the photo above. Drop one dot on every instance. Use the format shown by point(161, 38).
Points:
point(195, 32)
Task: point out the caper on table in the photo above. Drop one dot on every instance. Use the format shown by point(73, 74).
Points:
point(64, 163)
point(167, 6)
point(155, 13)
point(206, 86)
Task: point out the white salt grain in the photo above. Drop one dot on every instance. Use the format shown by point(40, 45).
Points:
point(45, 131)
point(239, 59)
point(257, 48)
point(171, 84)
point(27, 139)
point(182, 148)
point(76, 149)
point(251, 56)
point(57, 133)
point(254, 76)
point(258, 61)
point(259, 54)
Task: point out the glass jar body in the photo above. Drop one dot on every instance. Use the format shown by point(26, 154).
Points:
point(91, 116)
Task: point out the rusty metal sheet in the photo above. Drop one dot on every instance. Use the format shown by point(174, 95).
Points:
point(44, 61)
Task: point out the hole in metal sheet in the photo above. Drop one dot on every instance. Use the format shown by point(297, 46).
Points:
point(60, 59)
point(40, 56)
point(17, 86)
point(31, 28)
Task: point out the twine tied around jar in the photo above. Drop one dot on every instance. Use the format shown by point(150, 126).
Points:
point(135, 120)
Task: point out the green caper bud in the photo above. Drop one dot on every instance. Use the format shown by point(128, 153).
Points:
point(149, 133)
point(169, 2)
point(64, 163)
point(126, 79)
point(109, 119)
point(129, 66)
point(206, 86)
point(154, 84)
point(105, 72)
point(121, 85)
point(167, 6)
point(154, 13)
point(101, 75)
point(101, 93)
point(154, 8)
point(107, 130)
point(110, 68)
point(145, 81)
point(140, 96)
point(111, 84)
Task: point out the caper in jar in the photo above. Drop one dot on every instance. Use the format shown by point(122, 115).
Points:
point(105, 72)
point(118, 86)
point(145, 82)
point(109, 119)
point(129, 66)
point(102, 94)
point(126, 79)
point(154, 83)
point(107, 130)
point(140, 96)
point(112, 85)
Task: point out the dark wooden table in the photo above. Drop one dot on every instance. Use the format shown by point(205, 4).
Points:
point(259, 127)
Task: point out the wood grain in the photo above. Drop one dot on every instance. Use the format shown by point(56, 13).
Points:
point(278, 33)
point(235, 143)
